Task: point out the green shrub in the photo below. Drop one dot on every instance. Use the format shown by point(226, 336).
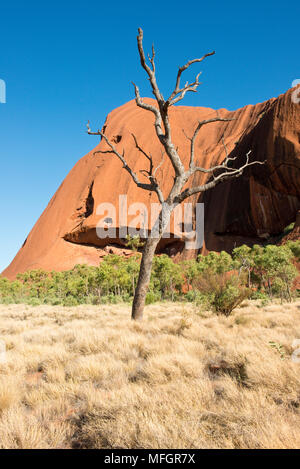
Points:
point(70, 301)
point(93, 300)
point(6, 300)
point(191, 295)
point(52, 300)
point(34, 302)
point(152, 297)
point(258, 295)
point(197, 297)
point(217, 263)
point(167, 277)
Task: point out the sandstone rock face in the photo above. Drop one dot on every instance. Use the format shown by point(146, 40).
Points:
point(250, 209)
point(266, 199)
point(294, 235)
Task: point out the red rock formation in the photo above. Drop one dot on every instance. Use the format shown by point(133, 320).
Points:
point(266, 199)
point(246, 210)
point(295, 233)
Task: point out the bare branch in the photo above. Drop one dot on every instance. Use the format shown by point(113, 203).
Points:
point(150, 187)
point(151, 73)
point(149, 157)
point(149, 107)
point(160, 164)
point(179, 93)
point(228, 158)
point(192, 87)
point(186, 66)
point(193, 139)
point(161, 113)
point(151, 59)
point(141, 103)
point(165, 138)
point(150, 174)
point(229, 173)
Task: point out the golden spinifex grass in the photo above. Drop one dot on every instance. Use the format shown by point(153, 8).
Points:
point(89, 377)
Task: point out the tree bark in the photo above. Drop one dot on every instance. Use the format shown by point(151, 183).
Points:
point(144, 278)
point(152, 241)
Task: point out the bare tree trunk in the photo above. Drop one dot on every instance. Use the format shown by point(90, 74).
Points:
point(155, 236)
point(288, 292)
point(144, 278)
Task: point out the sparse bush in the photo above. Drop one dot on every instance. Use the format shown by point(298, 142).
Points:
point(70, 301)
point(184, 323)
point(224, 292)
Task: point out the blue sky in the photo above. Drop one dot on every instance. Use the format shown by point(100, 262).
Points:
point(67, 62)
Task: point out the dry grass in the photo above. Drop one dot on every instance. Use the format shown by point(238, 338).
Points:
point(88, 377)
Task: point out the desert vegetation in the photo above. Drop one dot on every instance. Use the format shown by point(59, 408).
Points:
point(209, 367)
point(89, 377)
point(219, 282)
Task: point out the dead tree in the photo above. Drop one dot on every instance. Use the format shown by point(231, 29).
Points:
point(182, 175)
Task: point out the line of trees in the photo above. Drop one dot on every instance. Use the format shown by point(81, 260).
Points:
point(220, 280)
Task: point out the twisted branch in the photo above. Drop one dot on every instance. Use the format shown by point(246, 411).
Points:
point(153, 186)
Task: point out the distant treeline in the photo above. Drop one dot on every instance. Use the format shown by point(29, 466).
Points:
point(219, 280)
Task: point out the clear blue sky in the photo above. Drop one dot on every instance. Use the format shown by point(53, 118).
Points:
point(67, 62)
